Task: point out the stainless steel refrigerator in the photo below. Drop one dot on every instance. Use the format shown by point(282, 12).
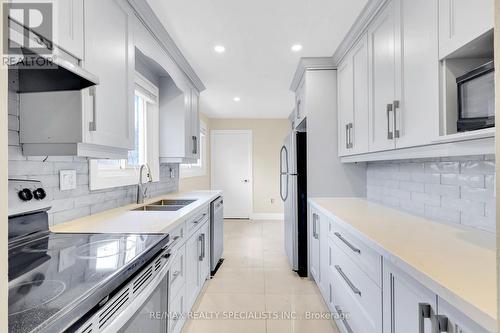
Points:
point(293, 191)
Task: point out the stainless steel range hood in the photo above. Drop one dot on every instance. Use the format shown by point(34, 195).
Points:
point(54, 71)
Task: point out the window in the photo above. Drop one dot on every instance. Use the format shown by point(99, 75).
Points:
point(113, 173)
point(199, 168)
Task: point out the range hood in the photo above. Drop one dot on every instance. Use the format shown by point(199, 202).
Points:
point(55, 71)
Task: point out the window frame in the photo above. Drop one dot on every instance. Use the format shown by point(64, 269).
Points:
point(191, 170)
point(103, 179)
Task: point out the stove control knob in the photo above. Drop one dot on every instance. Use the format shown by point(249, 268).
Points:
point(39, 194)
point(25, 194)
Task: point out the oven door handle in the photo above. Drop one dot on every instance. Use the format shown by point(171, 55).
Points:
point(130, 310)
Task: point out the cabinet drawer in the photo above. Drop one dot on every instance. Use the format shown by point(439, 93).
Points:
point(368, 260)
point(178, 271)
point(197, 219)
point(178, 234)
point(355, 294)
point(177, 310)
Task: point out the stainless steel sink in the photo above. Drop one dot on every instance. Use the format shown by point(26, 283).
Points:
point(167, 205)
point(173, 202)
point(158, 208)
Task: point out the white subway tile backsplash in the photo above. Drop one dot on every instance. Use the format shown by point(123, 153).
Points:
point(25, 168)
point(442, 167)
point(465, 180)
point(451, 189)
point(478, 167)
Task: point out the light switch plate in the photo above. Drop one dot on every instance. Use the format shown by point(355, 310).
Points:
point(67, 180)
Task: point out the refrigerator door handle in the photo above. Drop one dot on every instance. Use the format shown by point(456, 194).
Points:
point(284, 196)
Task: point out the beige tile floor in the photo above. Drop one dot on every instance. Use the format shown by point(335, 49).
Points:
point(255, 278)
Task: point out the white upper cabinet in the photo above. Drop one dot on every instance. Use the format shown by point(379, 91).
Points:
point(461, 21)
point(353, 100)
point(382, 41)
point(417, 115)
point(179, 122)
point(109, 52)
point(68, 27)
point(389, 81)
point(300, 102)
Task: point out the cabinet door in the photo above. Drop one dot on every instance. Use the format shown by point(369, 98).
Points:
point(192, 269)
point(382, 44)
point(457, 321)
point(417, 116)
point(300, 100)
point(188, 116)
point(408, 306)
point(204, 259)
point(324, 260)
point(345, 105)
point(314, 249)
point(68, 23)
point(109, 53)
point(461, 21)
point(195, 124)
point(359, 125)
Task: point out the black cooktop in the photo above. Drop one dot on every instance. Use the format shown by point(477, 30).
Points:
point(55, 279)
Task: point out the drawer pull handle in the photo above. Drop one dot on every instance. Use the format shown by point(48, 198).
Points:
point(346, 242)
point(424, 312)
point(346, 279)
point(344, 320)
point(441, 323)
point(200, 219)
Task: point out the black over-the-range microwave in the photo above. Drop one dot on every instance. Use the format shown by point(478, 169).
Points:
point(476, 98)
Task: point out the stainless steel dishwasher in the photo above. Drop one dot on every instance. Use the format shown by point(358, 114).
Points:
point(216, 234)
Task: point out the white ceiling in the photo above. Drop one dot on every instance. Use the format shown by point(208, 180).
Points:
point(258, 65)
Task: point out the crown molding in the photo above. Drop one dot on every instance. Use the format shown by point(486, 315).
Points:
point(358, 28)
point(146, 15)
point(308, 64)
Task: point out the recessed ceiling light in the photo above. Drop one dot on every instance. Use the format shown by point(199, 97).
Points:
point(296, 48)
point(236, 99)
point(219, 49)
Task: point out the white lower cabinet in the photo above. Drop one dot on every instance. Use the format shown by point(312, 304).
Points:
point(408, 306)
point(370, 294)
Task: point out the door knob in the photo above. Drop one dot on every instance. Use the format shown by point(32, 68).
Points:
point(246, 180)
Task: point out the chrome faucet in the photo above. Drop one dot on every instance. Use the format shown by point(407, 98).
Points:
point(142, 191)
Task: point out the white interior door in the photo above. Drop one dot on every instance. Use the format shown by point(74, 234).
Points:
point(232, 170)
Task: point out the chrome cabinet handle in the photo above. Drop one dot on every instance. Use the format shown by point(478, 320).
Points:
point(347, 136)
point(424, 312)
point(315, 231)
point(351, 144)
point(195, 144)
point(396, 107)
point(346, 242)
point(200, 219)
point(201, 239)
point(344, 320)
point(390, 135)
point(93, 123)
point(441, 323)
point(346, 279)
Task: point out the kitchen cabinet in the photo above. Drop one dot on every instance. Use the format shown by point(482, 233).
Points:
point(96, 122)
point(300, 102)
point(382, 36)
point(110, 54)
point(389, 81)
point(353, 100)
point(197, 262)
point(408, 306)
point(68, 27)
point(456, 321)
point(462, 21)
point(314, 247)
point(179, 122)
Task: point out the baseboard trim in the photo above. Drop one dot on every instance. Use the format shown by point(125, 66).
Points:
point(267, 216)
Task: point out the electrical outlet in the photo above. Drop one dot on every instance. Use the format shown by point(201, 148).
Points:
point(67, 180)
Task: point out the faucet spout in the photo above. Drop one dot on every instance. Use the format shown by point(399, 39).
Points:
point(141, 188)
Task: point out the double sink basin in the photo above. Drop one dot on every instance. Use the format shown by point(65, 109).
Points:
point(167, 205)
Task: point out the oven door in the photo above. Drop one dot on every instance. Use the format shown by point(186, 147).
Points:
point(151, 316)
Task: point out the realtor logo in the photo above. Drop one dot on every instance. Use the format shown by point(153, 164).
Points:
point(28, 28)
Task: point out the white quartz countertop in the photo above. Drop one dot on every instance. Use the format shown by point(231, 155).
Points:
point(456, 262)
point(124, 220)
